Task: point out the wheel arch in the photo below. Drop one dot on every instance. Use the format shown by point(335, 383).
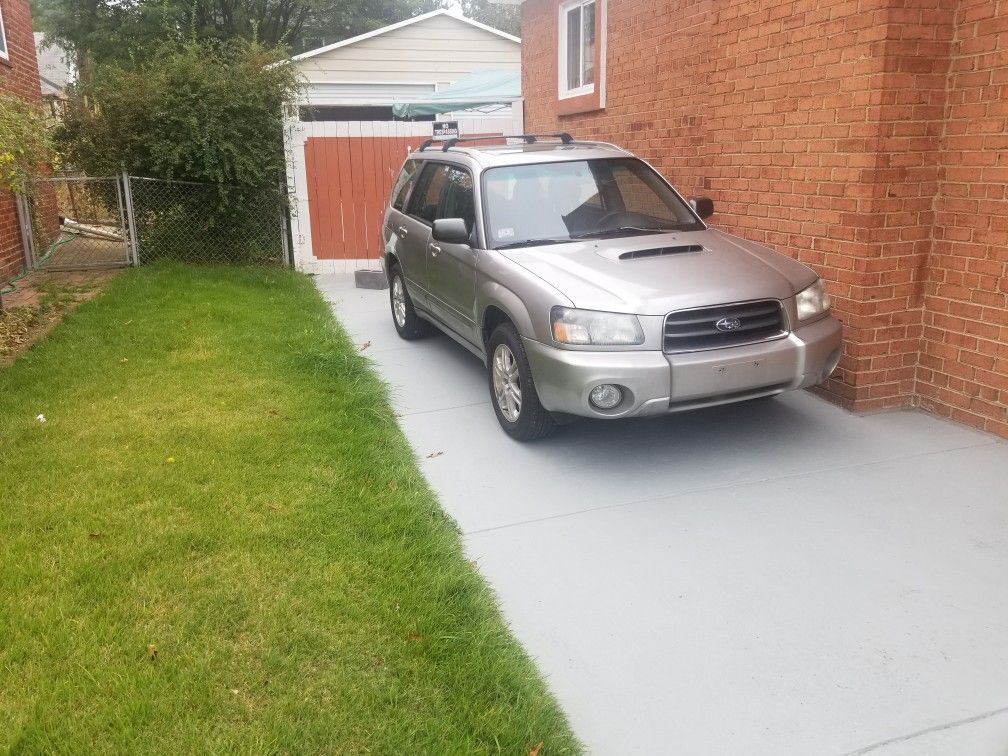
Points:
point(500, 306)
point(391, 259)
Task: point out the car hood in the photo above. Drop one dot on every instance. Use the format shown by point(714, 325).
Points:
point(700, 268)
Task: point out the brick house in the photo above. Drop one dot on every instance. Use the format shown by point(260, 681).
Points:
point(19, 76)
point(867, 138)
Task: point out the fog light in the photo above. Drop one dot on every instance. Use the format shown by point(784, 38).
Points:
point(606, 396)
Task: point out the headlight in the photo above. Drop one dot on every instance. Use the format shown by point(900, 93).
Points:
point(596, 328)
point(812, 301)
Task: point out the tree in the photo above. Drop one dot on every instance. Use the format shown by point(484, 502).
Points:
point(503, 16)
point(335, 20)
point(201, 112)
point(101, 31)
point(271, 22)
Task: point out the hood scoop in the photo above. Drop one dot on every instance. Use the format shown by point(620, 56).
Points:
point(661, 251)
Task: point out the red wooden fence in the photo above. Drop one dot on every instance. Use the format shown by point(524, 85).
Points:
point(349, 179)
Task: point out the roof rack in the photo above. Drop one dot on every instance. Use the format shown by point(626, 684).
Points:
point(563, 136)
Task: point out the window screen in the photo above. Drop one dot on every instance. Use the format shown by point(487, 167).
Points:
point(580, 41)
point(588, 44)
point(574, 48)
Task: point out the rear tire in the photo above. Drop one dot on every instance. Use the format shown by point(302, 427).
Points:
point(512, 390)
point(407, 323)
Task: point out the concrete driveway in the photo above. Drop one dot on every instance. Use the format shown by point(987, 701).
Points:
point(774, 578)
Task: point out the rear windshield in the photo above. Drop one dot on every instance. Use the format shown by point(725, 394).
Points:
point(555, 202)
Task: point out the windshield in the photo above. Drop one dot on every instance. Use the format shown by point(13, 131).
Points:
point(546, 203)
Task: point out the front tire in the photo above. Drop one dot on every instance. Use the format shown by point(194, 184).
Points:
point(407, 323)
point(512, 390)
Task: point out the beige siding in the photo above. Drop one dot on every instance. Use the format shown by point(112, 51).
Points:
point(436, 49)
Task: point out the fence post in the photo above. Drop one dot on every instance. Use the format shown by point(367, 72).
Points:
point(23, 209)
point(285, 226)
point(130, 218)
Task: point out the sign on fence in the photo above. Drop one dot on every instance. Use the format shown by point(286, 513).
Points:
point(446, 129)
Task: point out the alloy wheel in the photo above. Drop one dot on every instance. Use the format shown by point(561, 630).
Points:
point(399, 301)
point(507, 383)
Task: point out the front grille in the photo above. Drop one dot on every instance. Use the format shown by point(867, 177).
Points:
point(743, 323)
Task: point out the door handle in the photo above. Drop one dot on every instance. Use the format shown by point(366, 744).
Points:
point(402, 231)
point(434, 250)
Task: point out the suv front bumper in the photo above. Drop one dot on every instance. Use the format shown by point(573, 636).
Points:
point(655, 383)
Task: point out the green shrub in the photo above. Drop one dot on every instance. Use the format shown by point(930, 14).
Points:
point(203, 112)
point(25, 146)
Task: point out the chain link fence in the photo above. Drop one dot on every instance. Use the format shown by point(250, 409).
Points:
point(206, 223)
point(79, 223)
point(90, 223)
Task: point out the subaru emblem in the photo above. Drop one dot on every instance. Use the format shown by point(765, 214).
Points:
point(728, 324)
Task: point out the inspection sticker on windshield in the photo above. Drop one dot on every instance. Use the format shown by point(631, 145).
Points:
point(505, 233)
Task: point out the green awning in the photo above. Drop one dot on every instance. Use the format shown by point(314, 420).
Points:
point(478, 89)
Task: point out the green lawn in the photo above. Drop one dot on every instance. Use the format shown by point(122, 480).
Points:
point(220, 484)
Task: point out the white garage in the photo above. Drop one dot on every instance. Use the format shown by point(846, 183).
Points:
point(347, 144)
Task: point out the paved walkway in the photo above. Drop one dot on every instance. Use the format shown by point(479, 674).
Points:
point(771, 578)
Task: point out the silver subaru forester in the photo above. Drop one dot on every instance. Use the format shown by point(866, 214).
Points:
point(590, 287)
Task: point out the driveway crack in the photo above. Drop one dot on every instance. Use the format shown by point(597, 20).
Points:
point(927, 731)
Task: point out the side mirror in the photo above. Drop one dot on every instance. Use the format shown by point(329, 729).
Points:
point(450, 231)
point(704, 206)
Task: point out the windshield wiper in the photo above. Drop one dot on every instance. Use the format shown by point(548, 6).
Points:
point(532, 243)
point(621, 229)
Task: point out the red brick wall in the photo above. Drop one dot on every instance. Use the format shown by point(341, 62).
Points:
point(825, 130)
point(963, 369)
point(18, 76)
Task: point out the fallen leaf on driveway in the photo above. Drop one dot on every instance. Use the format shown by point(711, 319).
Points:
point(364, 346)
point(432, 455)
point(536, 749)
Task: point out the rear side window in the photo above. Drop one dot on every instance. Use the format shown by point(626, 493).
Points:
point(403, 184)
point(423, 202)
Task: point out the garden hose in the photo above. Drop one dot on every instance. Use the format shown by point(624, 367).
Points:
point(10, 288)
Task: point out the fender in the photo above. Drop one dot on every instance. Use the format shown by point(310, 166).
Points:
point(495, 295)
point(530, 314)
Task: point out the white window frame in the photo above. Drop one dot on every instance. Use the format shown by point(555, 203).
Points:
point(5, 53)
point(563, 91)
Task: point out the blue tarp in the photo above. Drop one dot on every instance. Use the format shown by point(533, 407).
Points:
point(476, 90)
